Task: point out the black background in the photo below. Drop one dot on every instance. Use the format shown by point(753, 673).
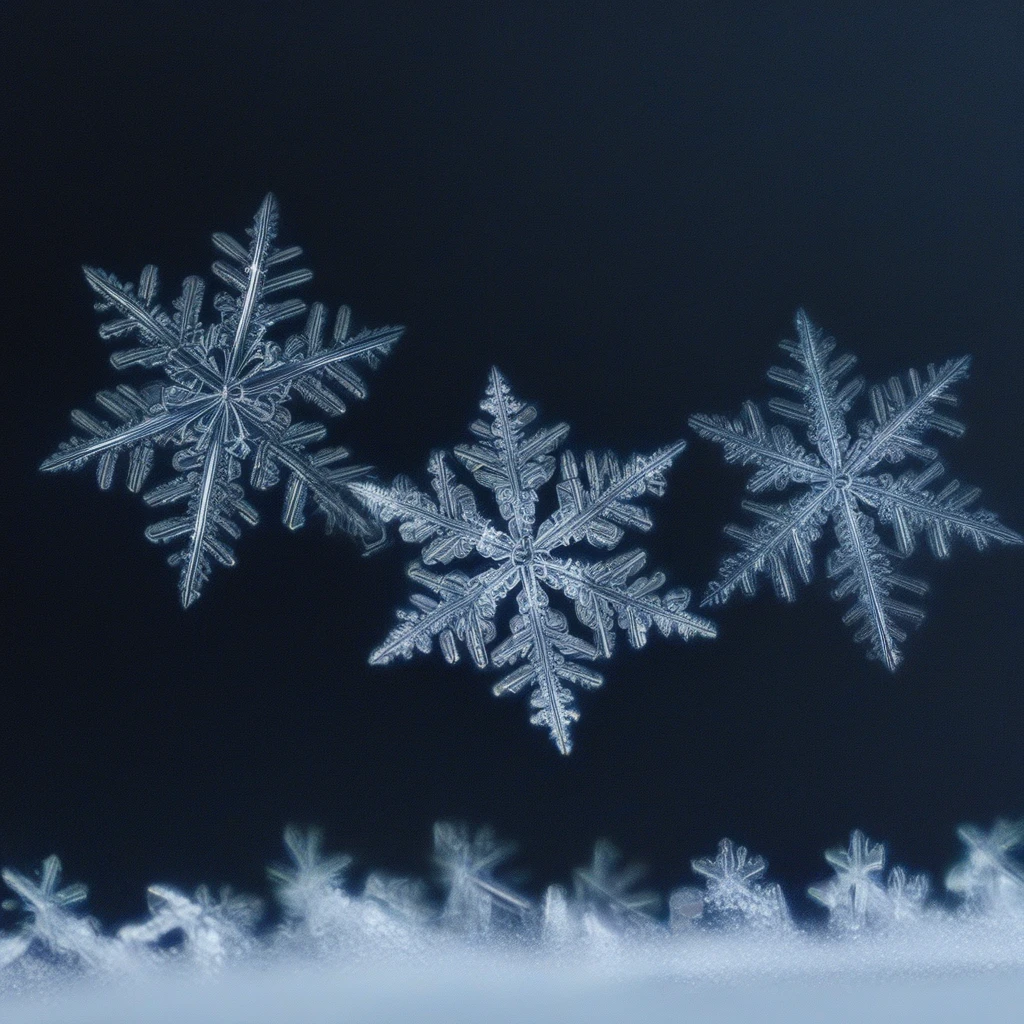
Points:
point(621, 206)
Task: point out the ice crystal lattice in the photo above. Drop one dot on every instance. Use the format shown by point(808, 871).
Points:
point(856, 898)
point(223, 400)
point(595, 506)
point(734, 889)
point(840, 481)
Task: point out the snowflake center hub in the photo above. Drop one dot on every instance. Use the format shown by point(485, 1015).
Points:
point(522, 553)
point(842, 480)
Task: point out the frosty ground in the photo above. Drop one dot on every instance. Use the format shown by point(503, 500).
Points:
point(602, 951)
point(933, 972)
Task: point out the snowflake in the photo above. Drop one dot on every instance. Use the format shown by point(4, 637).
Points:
point(608, 888)
point(595, 508)
point(223, 401)
point(735, 889)
point(854, 895)
point(466, 860)
point(213, 928)
point(838, 481)
point(989, 876)
point(52, 922)
point(313, 880)
point(907, 894)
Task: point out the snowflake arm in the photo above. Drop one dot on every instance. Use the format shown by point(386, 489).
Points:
point(599, 512)
point(595, 507)
point(464, 612)
point(223, 401)
point(780, 544)
point(824, 403)
point(748, 441)
point(904, 504)
point(900, 421)
point(506, 461)
point(863, 568)
point(159, 334)
point(839, 485)
point(550, 657)
point(605, 589)
point(451, 522)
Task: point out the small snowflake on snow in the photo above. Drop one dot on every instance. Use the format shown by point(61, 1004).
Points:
point(735, 890)
point(595, 506)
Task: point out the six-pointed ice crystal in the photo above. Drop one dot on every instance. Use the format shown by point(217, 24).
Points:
point(596, 503)
point(840, 480)
point(221, 402)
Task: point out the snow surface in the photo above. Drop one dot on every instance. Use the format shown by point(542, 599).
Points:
point(935, 971)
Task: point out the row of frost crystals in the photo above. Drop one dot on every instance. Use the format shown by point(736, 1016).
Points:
point(473, 897)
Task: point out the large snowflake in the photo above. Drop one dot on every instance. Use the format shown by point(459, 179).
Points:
point(839, 480)
point(222, 402)
point(527, 558)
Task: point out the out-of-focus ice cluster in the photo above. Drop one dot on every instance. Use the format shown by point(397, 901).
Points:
point(473, 917)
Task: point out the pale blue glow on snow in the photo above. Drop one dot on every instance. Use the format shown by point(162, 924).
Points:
point(484, 951)
point(952, 973)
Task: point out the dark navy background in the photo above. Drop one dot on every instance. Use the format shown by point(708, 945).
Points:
point(622, 208)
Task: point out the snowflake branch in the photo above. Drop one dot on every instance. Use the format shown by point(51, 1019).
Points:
point(638, 607)
point(563, 528)
point(765, 546)
point(367, 342)
point(459, 597)
point(933, 512)
point(919, 405)
point(780, 458)
point(74, 453)
point(412, 506)
point(328, 491)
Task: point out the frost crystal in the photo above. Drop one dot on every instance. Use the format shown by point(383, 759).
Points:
point(839, 481)
point(311, 887)
point(467, 861)
point(51, 922)
point(855, 896)
point(990, 877)
point(608, 890)
point(595, 506)
point(222, 401)
point(213, 929)
point(606, 924)
point(735, 892)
